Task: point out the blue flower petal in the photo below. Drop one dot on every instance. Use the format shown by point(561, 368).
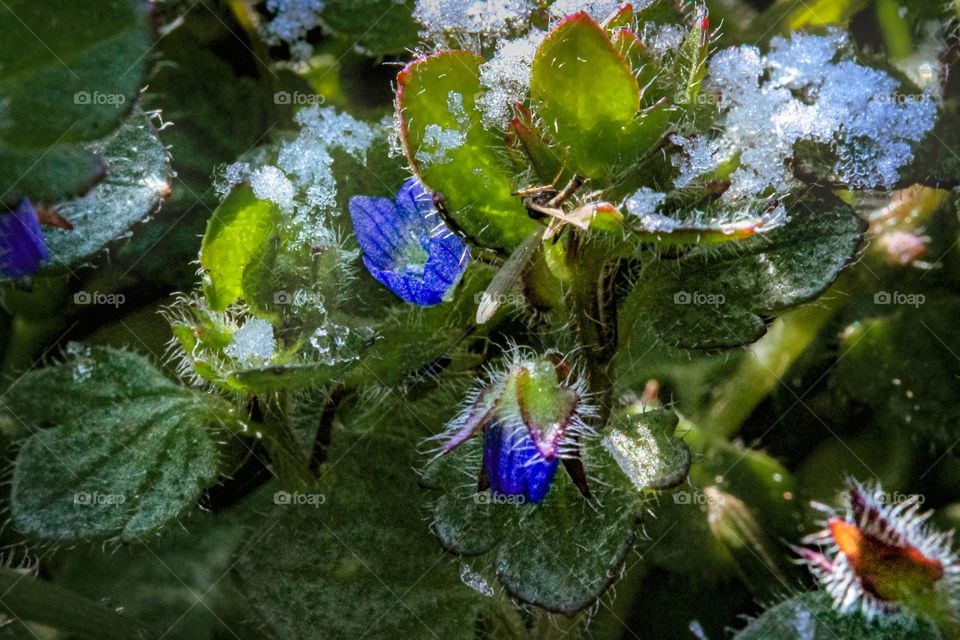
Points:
point(513, 465)
point(22, 247)
point(405, 245)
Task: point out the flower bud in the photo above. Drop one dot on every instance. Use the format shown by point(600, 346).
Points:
point(531, 416)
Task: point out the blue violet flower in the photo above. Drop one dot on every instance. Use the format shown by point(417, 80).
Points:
point(406, 246)
point(22, 247)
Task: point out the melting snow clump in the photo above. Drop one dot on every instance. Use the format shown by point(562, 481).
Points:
point(439, 141)
point(811, 88)
point(599, 10)
point(463, 21)
point(301, 183)
point(292, 20)
point(644, 202)
point(506, 78)
point(252, 344)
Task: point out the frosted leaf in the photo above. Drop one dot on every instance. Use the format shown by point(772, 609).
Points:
point(644, 202)
point(638, 455)
point(252, 344)
point(813, 89)
point(292, 21)
point(445, 21)
point(506, 78)
point(335, 343)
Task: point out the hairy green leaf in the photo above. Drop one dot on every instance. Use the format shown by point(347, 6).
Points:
point(127, 451)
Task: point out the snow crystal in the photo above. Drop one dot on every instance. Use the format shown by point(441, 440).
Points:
point(662, 39)
point(644, 202)
point(301, 183)
point(443, 21)
point(292, 20)
point(270, 183)
point(506, 77)
point(252, 344)
point(439, 141)
point(807, 88)
point(599, 10)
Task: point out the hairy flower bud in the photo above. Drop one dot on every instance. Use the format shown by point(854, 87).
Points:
point(531, 416)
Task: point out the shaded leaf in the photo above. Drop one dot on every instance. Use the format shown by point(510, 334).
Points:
point(719, 297)
point(80, 80)
point(127, 451)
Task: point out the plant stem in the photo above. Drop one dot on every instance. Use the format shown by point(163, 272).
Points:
point(593, 305)
point(895, 29)
point(552, 626)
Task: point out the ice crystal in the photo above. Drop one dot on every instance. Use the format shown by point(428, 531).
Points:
point(301, 183)
point(467, 21)
point(439, 141)
point(253, 343)
point(807, 88)
point(599, 10)
point(644, 202)
point(292, 21)
point(506, 77)
point(662, 39)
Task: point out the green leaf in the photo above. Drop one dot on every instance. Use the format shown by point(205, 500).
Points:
point(72, 71)
point(533, 548)
point(811, 616)
point(127, 452)
point(29, 599)
point(355, 558)
point(736, 509)
point(160, 584)
point(238, 231)
point(718, 297)
point(910, 383)
point(378, 26)
point(585, 91)
point(453, 154)
point(138, 177)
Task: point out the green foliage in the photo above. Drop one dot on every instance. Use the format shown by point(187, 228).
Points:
point(335, 561)
point(530, 550)
point(706, 383)
point(720, 297)
point(84, 79)
point(812, 616)
point(117, 449)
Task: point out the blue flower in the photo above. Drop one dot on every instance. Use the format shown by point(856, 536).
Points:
point(22, 248)
point(406, 246)
point(513, 464)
